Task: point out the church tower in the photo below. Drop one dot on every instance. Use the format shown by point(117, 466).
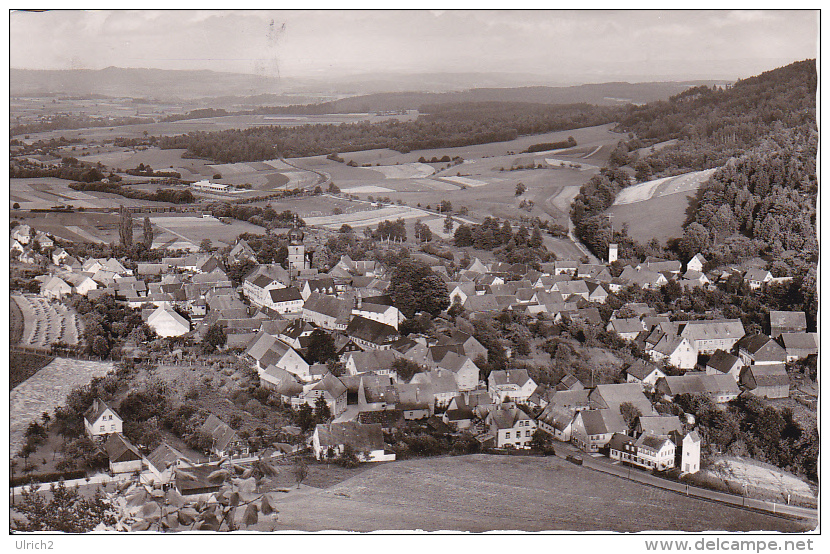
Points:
point(296, 249)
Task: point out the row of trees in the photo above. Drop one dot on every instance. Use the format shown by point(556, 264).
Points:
point(173, 196)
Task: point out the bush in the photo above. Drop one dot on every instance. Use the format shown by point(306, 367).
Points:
point(47, 477)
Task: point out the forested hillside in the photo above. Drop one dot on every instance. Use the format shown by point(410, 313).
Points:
point(449, 126)
point(762, 201)
point(715, 124)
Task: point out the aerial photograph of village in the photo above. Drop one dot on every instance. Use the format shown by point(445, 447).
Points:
point(414, 271)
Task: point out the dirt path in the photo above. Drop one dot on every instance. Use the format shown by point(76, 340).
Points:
point(45, 391)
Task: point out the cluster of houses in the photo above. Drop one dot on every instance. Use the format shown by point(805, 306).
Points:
point(27, 243)
point(273, 315)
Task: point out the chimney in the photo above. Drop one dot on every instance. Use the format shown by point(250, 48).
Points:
point(612, 252)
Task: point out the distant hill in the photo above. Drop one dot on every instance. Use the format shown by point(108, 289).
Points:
point(138, 83)
point(370, 92)
point(604, 94)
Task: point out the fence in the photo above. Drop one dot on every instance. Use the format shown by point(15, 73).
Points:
point(627, 472)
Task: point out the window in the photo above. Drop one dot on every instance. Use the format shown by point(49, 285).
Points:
point(527, 433)
point(112, 427)
point(507, 435)
point(103, 428)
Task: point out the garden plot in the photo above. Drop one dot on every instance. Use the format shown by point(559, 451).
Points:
point(405, 171)
point(45, 323)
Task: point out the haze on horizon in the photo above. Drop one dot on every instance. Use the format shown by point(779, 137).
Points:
point(564, 46)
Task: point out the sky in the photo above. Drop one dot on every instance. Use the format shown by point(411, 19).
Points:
point(585, 45)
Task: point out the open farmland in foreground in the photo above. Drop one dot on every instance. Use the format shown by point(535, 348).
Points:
point(482, 493)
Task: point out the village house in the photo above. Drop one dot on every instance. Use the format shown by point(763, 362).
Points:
point(510, 427)
point(415, 401)
point(194, 482)
point(101, 420)
point(29, 256)
point(595, 272)
point(267, 350)
point(466, 372)
point(643, 373)
point(123, 456)
point(627, 329)
point(696, 263)
point(163, 462)
point(660, 266)
point(720, 388)
point(787, 322)
point(612, 396)
point(569, 382)
point(287, 300)
point(593, 429)
point(224, 440)
point(22, 234)
point(241, 252)
point(326, 311)
point(329, 388)
point(371, 361)
point(514, 384)
point(648, 451)
point(799, 345)
point(557, 421)
point(55, 288)
point(441, 383)
point(766, 380)
point(565, 266)
point(368, 333)
point(709, 335)
point(81, 284)
point(364, 440)
point(658, 425)
point(724, 363)
point(166, 322)
point(323, 285)
point(675, 351)
point(596, 292)
point(760, 349)
point(756, 278)
point(388, 315)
